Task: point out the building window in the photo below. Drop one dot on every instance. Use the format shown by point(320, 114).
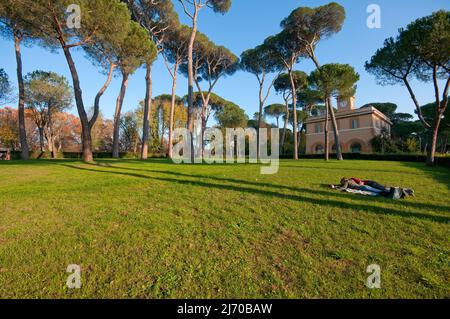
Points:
point(319, 149)
point(354, 124)
point(318, 128)
point(356, 148)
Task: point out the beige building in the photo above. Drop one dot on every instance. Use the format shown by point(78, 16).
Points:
point(357, 127)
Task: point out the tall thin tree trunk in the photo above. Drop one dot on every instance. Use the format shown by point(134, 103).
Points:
point(294, 102)
point(444, 144)
point(85, 127)
point(439, 114)
point(172, 109)
point(51, 139)
point(117, 114)
point(433, 136)
point(21, 106)
point(336, 131)
point(147, 112)
point(302, 128)
point(204, 122)
point(190, 123)
point(260, 114)
point(331, 111)
point(41, 139)
point(163, 128)
point(327, 142)
point(286, 122)
point(100, 94)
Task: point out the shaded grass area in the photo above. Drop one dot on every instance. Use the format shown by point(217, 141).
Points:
point(158, 230)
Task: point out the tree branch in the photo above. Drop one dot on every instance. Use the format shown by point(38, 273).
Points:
point(190, 15)
point(416, 103)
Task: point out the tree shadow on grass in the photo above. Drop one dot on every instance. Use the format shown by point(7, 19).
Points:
point(351, 169)
point(36, 162)
point(329, 203)
point(440, 174)
point(291, 188)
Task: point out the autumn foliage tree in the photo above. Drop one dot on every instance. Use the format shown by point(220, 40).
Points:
point(15, 24)
point(47, 94)
point(51, 19)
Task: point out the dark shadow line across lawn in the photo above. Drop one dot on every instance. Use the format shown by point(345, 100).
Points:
point(330, 203)
point(442, 177)
point(290, 188)
point(358, 170)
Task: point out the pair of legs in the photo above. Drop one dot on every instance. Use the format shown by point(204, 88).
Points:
point(371, 189)
point(374, 187)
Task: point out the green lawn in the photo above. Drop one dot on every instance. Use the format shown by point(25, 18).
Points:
point(158, 230)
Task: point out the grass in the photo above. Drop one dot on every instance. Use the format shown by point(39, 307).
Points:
point(158, 230)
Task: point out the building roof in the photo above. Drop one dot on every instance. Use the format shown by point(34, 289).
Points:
point(350, 113)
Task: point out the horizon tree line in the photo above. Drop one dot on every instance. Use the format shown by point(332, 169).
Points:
point(144, 29)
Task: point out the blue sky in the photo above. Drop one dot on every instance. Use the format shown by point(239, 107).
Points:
point(246, 25)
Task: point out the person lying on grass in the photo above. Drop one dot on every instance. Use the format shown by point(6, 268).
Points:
point(372, 188)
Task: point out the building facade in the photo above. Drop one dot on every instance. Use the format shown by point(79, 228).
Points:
point(357, 127)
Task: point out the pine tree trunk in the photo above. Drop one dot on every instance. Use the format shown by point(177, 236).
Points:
point(294, 102)
point(261, 105)
point(99, 95)
point(41, 139)
point(163, 129)
point(147, 112)
point(286, 122)
point(327, 142)
point(117, 114)
point(302, 129)
point(51, 140)
point(444, 144)
point(336, 131)
point(21, 106)
point(85, 127)
point(204, 122)
point(190, 123)
point(172, 110)
point(433, 136)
